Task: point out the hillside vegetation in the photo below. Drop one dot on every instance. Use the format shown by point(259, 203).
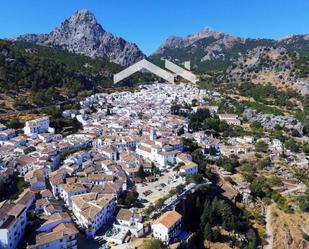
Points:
point(41, 75)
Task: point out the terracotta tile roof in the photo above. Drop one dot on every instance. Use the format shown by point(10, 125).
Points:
point(16, 210)
point(59, 232)
point(73, 187)
point(91, 204)
point(101, 177)
point(70, 180)
point(41, 202)
point(25, 197)
point(56, 216)
point(56, 179)
point(168, 219)
point(124, 214)
point(189, 165)
point(5, 206)
point(46, 193)
point(24, 160)
point(141, 147)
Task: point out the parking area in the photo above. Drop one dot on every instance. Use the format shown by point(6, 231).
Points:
point(152, 191)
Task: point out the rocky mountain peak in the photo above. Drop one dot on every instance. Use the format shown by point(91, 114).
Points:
point(82, 17)
point(207, 32)
point(82, 34)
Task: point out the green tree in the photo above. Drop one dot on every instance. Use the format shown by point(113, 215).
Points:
point(261, 146)
point(208, 232)
point(197, 156)
point(303, 201)
point(141, 172)
point(258, 187)
point(305, 148)
point(194, 102)
point(15, 124)
point(275, 181)
point(196, 119)
point(207, 213)
point(131, 197)
point(292, 145)
point(190, 145)
point(228, 163)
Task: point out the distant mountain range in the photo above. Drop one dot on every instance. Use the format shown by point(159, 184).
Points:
point(206, 49)
point(284, 62)
point(82, 34)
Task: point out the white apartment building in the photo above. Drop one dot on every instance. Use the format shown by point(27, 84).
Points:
point(167, 226)
point(162, 151)
point(62, 236)
point(13, 220)
point(126, 221)
point(109, 152)
point(230, 119)
point(7, 134)
point(189, 168)
point(71, 189)
point(37, 126)
point(93, 210)
point(54, 220)
point(212, 109)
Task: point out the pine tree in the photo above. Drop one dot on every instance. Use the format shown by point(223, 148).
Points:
point(207, 213)
point(208, 232)
point(198, 204)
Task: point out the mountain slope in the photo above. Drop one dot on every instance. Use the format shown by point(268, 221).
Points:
point(82, 34)
point(39, 75)
point(211, 50)
point(299, 43)
point(275, 66)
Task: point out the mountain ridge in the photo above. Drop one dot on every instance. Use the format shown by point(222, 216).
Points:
point(208, 32)
point(210, 49)
point(82, 34)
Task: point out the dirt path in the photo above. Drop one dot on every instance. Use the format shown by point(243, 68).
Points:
point(297, 188)
point(269, 233)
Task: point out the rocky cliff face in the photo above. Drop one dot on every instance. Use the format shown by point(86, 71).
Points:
point(263, 64)
point(214, 45)
point(182, 42)
point(269, 65)
point(270, 120)
point(82, 34)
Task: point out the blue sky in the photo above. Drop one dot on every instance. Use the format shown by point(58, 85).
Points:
point(149, 22)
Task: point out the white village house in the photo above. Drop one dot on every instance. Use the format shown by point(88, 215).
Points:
point(167, 226)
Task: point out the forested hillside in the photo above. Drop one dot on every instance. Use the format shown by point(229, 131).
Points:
point(40, 75)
